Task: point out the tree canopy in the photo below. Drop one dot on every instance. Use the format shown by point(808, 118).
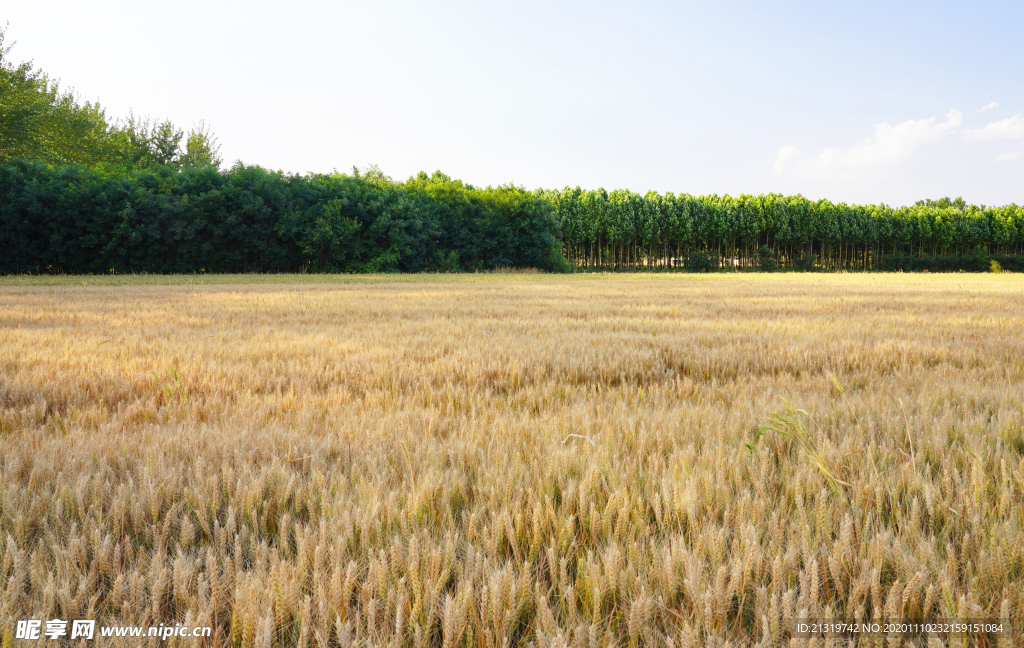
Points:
point(41, 121)
point(82, 193)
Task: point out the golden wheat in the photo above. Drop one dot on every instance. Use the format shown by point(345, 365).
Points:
point(388, 462)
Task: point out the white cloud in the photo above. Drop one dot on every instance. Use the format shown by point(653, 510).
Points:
point(1009, 128)
point(786, 154)
point(888, 146)
point(895, 143)
point(1008, 157)
point(991, 106)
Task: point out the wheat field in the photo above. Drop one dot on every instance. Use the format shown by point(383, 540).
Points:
point(387, 461)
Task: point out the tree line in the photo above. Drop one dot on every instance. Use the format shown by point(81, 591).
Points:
point(102, 219)
point(80, 193)
point(40, 121)
point(170, 219)
point(623, 230)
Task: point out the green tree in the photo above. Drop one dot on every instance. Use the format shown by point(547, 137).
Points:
point(39, 121)
point(201, 148)
point(166, 139)
point(131, 143)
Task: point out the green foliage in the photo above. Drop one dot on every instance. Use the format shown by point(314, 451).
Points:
point(701, 262)
point(765, 259)
point(1010, 262)
point(768, 232)
point(143, 143)
point(162, 219)
point(959, 204)
point(941, 263)
point(325, 239)
point(805, 262)
point(147, 215)
point(201, 148)
point(39, 121)
point(995, 267)
point(81, 194)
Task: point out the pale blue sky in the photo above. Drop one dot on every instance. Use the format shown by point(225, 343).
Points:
point(857, 101)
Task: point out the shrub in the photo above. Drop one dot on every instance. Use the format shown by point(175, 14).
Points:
point(765, 259)
point(806, 262)
point(700, 262)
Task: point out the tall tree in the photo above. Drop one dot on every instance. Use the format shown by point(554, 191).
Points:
point(38, 120)
point(201, 148)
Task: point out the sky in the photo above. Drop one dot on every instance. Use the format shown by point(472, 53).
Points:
point(862, 102)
